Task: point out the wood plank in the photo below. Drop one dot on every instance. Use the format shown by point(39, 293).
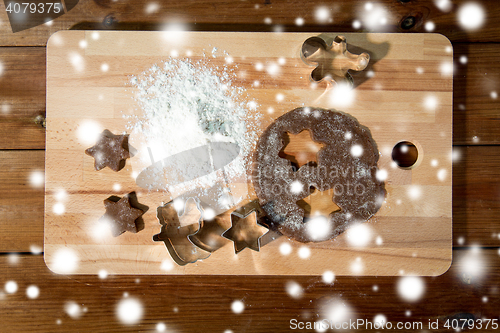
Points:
point(21, 203)
point(186, 303)
point(476, 114)
point(251, 16)
point(476, 189)
point(476, 208)
point(22, 97)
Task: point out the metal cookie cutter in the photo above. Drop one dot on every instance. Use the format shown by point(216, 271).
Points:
point(332, 60)
point(176, 229)
point(250, 228)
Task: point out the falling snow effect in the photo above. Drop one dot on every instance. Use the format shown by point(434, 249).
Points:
point(380, 320)
point(285, 249)
point(473, 264)
point(455, 155)
point(77, 61)
point(58, 208)
point(337, 311)
point(73, 310)
point(208, 214)
point(10, 287)
point(443, 5)
point(37, 179)
point(32, 292)
point(359, 235)
point(430, 26)
point(318, 228)
point(322, 15)
point(152, 8)
point(88, 132)
point(328, 277)
point(442, 174)
point(64, 261)
point(129, 311)
point(6, 108)
point(471, 16)
point(446, 69)
point(431, 103)
point(304, 252)
point(381, 174)
point(61, 195)
point(411, 288)
point(375, 17)
point(174, 33)
point(356, 150)
point(414, 192)
point(102, 274)
point(35, 249)
point(294, 289)
point(13, 258)
point(342, 95)
point(100, 231)
point(357, 266)
point(237, 307)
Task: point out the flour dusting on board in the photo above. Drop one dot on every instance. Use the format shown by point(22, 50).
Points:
point(187, 104)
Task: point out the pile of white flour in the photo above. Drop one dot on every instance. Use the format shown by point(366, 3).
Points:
point(187, 104)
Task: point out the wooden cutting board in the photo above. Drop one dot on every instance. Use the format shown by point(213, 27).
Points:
point(405, 94)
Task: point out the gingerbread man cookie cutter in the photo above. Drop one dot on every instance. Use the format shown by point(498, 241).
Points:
point(331, 59)
point(176, 227)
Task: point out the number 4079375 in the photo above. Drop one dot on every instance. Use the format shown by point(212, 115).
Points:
point(32, 7)
point(478, 324)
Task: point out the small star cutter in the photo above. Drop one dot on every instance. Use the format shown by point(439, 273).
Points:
point(176, 227)
point(244, 233)
point(332, 60)
point(110, 151)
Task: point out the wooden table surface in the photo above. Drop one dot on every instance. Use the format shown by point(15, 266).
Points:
point(469, 290)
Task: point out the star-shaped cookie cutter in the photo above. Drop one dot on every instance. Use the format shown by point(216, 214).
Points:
point(332, 59)
point(247, 228)
point(176, 227)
